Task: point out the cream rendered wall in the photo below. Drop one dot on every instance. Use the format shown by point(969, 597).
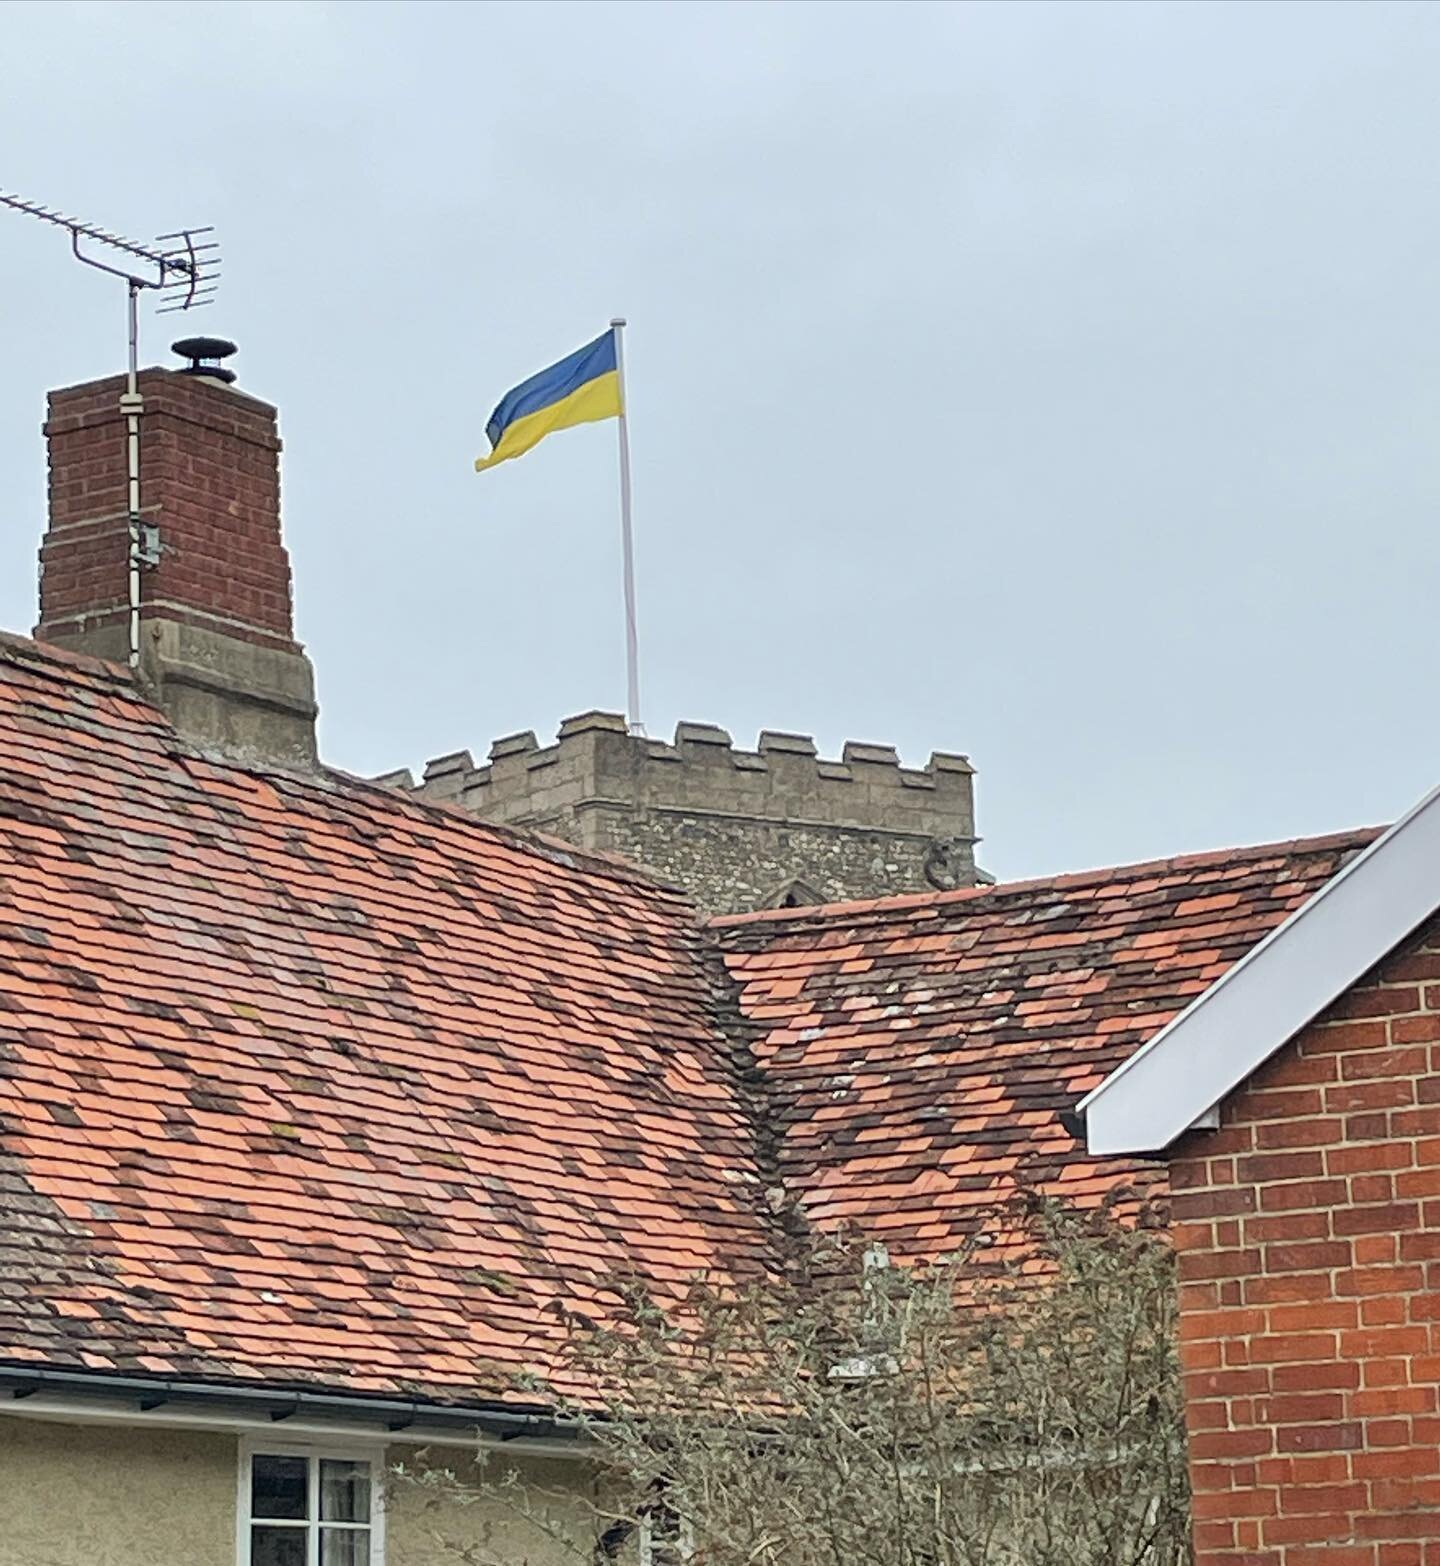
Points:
point(91, 1495)
point(110, 1495)
point(548, 1517)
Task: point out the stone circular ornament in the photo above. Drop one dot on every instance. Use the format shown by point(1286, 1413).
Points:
point(945, 867)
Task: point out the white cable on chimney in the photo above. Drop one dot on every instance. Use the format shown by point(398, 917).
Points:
point(132, 405)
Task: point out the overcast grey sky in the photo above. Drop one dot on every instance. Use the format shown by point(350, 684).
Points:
point(1056, 383)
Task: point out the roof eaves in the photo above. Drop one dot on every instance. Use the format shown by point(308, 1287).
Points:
point(277, 1403)
point(590, 861)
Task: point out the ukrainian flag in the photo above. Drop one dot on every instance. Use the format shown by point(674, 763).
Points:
point(579, 389)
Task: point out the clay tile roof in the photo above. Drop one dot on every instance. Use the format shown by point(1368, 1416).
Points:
point(918, 1049)
point(302, 1080)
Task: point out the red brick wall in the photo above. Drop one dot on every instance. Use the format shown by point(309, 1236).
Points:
point(210, 477)
point(1309, 1235)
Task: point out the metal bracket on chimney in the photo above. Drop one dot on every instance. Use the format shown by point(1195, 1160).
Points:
point(150, 545)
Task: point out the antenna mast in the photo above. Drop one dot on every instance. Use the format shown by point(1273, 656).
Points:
point(183, 270)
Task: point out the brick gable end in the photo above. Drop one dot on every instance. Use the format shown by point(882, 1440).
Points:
point(1308, 1228)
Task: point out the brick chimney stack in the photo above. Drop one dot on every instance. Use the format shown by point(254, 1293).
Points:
point(217, 642)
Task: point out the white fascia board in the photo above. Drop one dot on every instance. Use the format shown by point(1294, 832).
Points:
point(100, 1411)
point(1288, 979)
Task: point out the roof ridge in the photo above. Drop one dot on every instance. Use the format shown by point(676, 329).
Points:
point(62, 662)
point(15, 648)
point(1355, 837)
point(615, 867)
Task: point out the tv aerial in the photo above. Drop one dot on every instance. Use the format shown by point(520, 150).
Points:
point(183, 271)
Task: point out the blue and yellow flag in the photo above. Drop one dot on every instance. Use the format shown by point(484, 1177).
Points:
point(580, 389)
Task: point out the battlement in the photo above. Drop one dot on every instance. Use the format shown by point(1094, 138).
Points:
point(776, 822)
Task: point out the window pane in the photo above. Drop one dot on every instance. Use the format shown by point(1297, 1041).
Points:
point(277, 1546)
point(277, 1487)
point(344, 1547)
point(344, 1491)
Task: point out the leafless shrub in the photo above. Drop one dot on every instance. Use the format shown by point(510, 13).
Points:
point(857, 1411)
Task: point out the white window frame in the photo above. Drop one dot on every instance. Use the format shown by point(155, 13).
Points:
point(650, 1547)
point(314, 1452)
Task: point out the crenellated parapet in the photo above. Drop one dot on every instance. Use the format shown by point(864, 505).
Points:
point(736, 826)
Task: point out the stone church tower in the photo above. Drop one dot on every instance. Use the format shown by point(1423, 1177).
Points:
point(739, 829)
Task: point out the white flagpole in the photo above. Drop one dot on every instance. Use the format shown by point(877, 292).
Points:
point(632, 640)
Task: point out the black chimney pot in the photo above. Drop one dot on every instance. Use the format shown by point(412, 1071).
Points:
point(205, 354)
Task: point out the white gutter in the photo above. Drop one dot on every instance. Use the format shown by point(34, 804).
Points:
point(115, 1398)
point(97, 1411)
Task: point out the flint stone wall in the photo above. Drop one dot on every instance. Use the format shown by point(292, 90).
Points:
point(738, 829)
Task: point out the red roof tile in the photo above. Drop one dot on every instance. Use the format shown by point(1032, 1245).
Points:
point(305, 1081)
point(917, 1050)
point(301, 1079)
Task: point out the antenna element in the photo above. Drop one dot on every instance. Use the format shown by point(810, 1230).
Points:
point(183, 270)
